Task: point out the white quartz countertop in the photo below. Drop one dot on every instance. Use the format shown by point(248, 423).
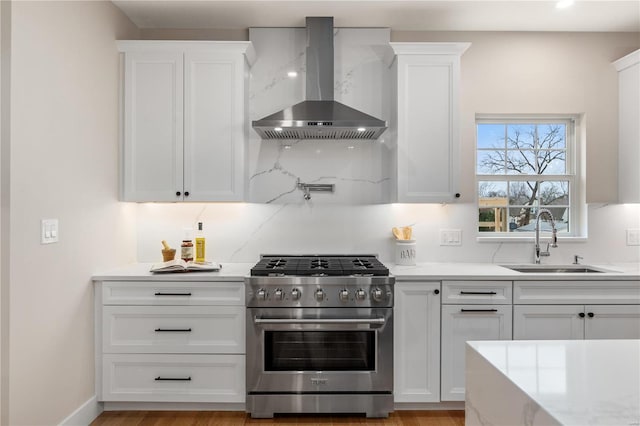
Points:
point(567, 382)
point(140, 272)
point(488, 271)
point(421, 271)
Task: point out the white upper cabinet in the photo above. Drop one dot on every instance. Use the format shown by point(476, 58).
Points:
point(426, 80)
point(184, 120)
point(629, 127)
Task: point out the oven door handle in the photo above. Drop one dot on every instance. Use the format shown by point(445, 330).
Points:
point(379, 320)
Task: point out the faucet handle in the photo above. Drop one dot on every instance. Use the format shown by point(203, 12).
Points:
point(576, 259)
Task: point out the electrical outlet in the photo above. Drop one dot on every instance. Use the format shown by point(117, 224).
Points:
point(633, 237)
point(48, 231)
point(450, 237)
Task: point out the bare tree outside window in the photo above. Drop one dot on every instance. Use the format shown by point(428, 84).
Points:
point(521, 167)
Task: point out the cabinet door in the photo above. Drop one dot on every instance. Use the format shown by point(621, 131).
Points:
point(548, 322)
point(426, 124)
point(214, 126)
point(629, 128)
point(612, 322)
point(417, 342)
point(461, 323)
point(153, 133)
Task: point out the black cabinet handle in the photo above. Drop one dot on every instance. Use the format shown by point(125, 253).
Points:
point(172, 294)
point(581, 314)
point(179, 330)
point(436, 291)
point(590, 314)
point(178, 193)
point(186, 193)
point(174, 379)
point(457, 195)
point(478, 310)
point(487, 293)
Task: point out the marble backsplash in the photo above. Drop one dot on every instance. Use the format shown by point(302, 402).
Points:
point(359, 169)
point(240, 232)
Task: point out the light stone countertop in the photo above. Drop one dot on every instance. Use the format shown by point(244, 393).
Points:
point(553, 382)
point(140, 272)
point(421, 271)
point(488, 271)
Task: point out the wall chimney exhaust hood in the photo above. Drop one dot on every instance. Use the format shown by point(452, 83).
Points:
point(319, 116)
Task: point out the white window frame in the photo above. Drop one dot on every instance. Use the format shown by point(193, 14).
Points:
point(574, 174)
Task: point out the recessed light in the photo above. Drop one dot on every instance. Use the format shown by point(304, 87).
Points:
point(277, 129)
point(292, 74)
point(361, 129)
point(563, 4)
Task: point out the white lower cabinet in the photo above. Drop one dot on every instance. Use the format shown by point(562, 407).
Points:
point(461, 323)
point(612, 322)
point(173, 378)
point(562, 310)
point(170, 342)
point(548, 322)
point(416, 355)
point(565, 322)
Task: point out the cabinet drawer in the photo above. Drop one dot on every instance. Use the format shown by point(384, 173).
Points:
point(173, 329)
point(576, 292)
point(173, 378)
point(173, 293)
point(476, 292)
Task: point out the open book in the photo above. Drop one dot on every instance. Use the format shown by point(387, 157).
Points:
point(179, 265)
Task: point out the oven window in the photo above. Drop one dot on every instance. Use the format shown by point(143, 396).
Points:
point(319, 350)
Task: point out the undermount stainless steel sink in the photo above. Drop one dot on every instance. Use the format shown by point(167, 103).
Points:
point(554, 269)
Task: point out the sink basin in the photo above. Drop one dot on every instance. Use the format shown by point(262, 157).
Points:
point(554, 269)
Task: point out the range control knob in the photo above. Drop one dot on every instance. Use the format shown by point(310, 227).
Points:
point(278, 294)
point(261, 294)
point(343, 295)
point(319, 295)
point(377, 294)
point(361, 294)
point(295, 294)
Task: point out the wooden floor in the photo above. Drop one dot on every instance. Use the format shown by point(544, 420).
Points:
point(232, 418)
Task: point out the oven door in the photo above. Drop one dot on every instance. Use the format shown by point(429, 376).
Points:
point(329, 350)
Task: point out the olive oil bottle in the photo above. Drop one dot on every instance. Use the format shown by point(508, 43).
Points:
point(200, 244)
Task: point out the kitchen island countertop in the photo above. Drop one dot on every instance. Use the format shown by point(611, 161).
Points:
point(553, 382)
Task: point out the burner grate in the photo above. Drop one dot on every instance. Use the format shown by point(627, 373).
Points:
point(318, 265)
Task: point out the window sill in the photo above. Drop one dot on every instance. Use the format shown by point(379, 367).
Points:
point(499, 239)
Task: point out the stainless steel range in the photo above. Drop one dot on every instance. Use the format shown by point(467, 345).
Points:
point(319, 335)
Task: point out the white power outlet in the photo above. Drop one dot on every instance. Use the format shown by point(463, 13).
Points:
point(633, 237)
point(48, 231)
point(450, 237)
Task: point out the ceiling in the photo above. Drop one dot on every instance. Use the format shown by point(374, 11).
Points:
point(399, 15)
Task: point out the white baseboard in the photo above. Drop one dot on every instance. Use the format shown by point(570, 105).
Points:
point(173, 406)
point(85, 414)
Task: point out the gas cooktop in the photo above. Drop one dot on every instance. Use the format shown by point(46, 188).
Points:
point(319, 265)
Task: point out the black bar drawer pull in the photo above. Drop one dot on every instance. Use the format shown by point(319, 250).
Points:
point(478, 310)
point(488, 293)
point(174, 379)
point(186, 330)
point(172, 294)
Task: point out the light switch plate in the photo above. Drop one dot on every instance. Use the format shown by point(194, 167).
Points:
point(48, 231)
point(633, 237)
point(450, 237)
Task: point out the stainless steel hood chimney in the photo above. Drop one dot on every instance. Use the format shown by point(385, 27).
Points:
point(319, 116)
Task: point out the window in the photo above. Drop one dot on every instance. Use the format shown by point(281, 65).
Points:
point(523, 165)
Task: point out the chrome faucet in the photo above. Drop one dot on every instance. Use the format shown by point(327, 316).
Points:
point(554, 238)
